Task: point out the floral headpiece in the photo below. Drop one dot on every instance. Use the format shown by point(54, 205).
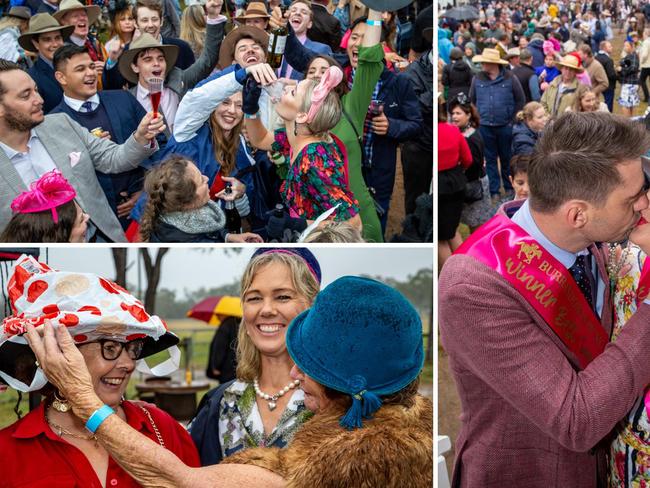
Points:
point(47, 193)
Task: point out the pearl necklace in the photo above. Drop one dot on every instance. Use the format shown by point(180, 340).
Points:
point(273, 399)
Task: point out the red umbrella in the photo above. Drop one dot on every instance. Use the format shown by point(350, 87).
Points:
point(214, 309)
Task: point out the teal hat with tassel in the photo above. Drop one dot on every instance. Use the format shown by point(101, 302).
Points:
point(360, 337)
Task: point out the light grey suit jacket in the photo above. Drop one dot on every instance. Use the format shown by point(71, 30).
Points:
point(61, 136)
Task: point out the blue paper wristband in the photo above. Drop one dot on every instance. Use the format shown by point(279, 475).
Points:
point(374, 22)
point(98, 417)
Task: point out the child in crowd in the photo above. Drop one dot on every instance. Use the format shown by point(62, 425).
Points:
point(519, 175)
point(179, 208)
point(47, 212)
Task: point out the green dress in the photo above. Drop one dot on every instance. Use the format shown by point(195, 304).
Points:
point(356, 105)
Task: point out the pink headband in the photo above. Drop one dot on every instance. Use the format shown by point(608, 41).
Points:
point(330, 79)
point(48, 192)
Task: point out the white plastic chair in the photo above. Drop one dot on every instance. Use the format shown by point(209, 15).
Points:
point(444, 445)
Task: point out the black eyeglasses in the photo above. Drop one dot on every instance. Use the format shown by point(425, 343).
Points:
point(111, 350)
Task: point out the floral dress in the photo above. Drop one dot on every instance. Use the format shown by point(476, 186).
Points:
point(240, 423)
point(629, 462)
point(315, 180)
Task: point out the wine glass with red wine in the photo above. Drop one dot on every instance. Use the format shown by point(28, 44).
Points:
point(155, 92)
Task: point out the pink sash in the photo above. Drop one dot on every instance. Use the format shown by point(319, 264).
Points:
point(543, 282)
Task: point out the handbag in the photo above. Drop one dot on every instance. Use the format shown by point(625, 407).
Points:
point(451, 181)
point(473, 191)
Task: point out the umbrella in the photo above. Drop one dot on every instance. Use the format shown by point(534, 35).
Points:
point(386, 5)
point(464, 12)
point(214, 309)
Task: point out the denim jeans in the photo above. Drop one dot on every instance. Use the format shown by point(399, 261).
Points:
point(497, 141)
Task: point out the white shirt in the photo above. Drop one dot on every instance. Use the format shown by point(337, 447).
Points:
point(33, 163)
point(75, 104)
point(168, 103)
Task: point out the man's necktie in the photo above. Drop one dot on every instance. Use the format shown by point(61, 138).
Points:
point(581, 272)
point(87, 107)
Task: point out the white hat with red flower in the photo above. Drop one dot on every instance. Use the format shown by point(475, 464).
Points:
point(91, 307)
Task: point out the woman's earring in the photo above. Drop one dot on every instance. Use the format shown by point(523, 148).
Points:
point(60, 404)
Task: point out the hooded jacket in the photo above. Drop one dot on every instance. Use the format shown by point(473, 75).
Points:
point(392, 450)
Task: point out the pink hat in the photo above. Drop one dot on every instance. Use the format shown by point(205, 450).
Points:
point(47, 193)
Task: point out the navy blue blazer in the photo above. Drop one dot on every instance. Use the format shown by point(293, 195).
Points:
point(47, 85)
point(124, 113)
point(316, 47)
point(113, 79)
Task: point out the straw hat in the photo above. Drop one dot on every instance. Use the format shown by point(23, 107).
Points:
point(40, 24)
point(513, 52)
point(93, 11)
point(255, 10)
point(145, 41)
point(489, 56)
point(227, 50)
point(544, 22)
point(19, 13)
point(570, 61)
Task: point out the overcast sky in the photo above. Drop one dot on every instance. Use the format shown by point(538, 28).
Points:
point(191, 268)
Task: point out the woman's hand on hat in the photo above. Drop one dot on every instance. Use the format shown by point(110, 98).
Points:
point(263, 73)
point(213, 8)
point(61, 361)
point(149, 128)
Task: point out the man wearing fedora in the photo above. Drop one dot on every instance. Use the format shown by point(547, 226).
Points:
point(255, 15)
point(74, 13)
point(498, 96)
point(147, 58)
point(560, 94)
point(32, 144)
point(114, 114)
point(513, 57)
point(243, 47)
point(44, 36)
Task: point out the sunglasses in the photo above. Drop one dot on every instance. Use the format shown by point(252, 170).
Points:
point(111, 349)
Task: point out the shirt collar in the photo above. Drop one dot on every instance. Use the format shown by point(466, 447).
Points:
point(34, 424)
point(77, 40)
point(524, 219)
point(46, 61)
point(75, 104)
point(11, 152)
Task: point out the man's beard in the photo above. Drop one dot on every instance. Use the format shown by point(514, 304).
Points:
point(19, 122)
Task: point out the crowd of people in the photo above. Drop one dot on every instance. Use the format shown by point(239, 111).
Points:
point(543, 302)
point(164, 122)
point(300, 411)
point(515, 66)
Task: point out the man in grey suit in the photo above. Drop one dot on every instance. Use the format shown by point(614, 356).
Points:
point(32, 144)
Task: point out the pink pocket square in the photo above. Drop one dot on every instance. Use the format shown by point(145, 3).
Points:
point(74, 158)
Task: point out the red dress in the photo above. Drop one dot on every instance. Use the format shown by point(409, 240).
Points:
point(34, 456)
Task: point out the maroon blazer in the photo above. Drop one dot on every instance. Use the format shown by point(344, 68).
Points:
point(530, 418)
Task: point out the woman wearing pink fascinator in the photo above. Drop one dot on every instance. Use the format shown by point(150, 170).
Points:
point(317, 179)
point(46, 212)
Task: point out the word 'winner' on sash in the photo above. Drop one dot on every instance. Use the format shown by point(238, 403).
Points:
point(543, 282)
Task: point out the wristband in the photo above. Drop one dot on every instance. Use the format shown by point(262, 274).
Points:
point(250, 116)
point(374, 22)
point(96, 419)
